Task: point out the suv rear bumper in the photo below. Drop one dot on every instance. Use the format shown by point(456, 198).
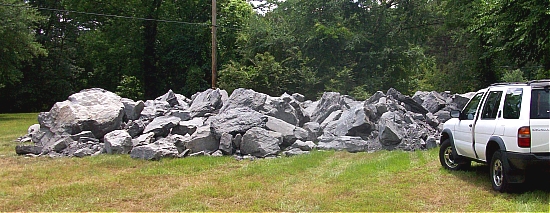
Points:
point(529, 161)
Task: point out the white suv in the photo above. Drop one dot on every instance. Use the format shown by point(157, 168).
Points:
point(505, 125)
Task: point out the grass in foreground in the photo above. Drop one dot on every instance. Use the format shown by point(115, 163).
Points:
point(321, 181)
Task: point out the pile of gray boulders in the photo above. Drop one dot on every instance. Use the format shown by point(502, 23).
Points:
point(246, 124)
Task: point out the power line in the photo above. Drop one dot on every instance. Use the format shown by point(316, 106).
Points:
point(106, 15)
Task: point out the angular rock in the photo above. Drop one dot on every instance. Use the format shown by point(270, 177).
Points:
point(334, 116)
point(348, 143)
point(431, 142)
point(161, 126)
point(118, 142)
point(160, 149)
point(390, 134)
point(144, 139)
point(154, 108)
point(202, 140)
point(237, 140)
point(294, 152)
point(184, 115)
point(83, 134)
point(290, 132)
point(353, 122)
point(170, 98)
point(433, 102)
point(375, 98)
point(83, 152)
point(188, 127)
point(206, 102)
point(410, 104)
point(330, 102)
point(26, 149)
point(226, 144)
point(238, 120)
point(132, 109)
point(443, 116)
point(33, 129)
point(298, 97)
point(304, 146)
point(281, 108)
point(313, 129)
point(261, 143)
point(244, 98)
point(135, 127)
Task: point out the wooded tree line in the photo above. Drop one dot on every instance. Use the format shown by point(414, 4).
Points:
point(50, 49)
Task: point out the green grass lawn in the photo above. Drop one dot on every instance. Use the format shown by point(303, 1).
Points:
point(320, 181)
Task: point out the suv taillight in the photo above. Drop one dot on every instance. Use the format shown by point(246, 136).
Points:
point(524, 137)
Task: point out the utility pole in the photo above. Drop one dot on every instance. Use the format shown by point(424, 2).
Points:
point(214, 45)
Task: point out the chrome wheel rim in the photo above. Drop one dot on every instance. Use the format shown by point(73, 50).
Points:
point(449, 160)
point(497, 172)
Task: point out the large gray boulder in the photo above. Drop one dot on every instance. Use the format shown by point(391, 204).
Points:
point(162, 125)
point(339, 143)
point(206, 102)
point(159, 149)
point(244, 98)
point(237, 120)
point(390, 133)
point(118, 142)
point(95, 110)
point(261, 142)
point(202, 140)
point(330, 102)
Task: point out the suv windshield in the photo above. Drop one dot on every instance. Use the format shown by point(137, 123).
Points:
point(540, 104)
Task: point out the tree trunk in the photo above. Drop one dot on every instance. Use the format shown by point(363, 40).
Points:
point(152, 81)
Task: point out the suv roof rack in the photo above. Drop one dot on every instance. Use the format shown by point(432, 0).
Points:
point(538, 81)
point(507, 83)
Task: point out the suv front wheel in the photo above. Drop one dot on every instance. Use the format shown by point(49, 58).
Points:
point(448, 159)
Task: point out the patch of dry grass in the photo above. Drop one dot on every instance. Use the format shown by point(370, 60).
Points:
point(320, 181)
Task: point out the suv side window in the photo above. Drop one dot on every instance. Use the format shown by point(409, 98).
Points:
point(540, 104)
point(490, 108)
point(512, 103)
point(470, 110)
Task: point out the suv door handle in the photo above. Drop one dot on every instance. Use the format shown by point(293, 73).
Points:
point(470, 125)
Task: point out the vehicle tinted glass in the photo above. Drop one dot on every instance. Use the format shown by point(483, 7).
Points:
point(490, 108)
point(470, 110)
point(512, 103)
point(540, 104)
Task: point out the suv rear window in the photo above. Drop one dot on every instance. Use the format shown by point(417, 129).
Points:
point(540, 104)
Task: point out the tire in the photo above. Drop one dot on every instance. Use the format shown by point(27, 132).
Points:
point(499, 173)
point(448, 160)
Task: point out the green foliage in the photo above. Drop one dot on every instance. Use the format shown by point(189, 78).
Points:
point(130, 87)
point(18, 43)
point(512, 76)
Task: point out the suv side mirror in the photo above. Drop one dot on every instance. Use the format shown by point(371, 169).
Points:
point(455, 114)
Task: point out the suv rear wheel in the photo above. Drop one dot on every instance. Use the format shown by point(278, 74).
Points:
point(448, 159)
point(498, 170)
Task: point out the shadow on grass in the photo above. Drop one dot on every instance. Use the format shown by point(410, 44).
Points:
point(535, 189)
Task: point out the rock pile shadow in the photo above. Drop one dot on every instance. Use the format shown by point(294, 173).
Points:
point(246, 124)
